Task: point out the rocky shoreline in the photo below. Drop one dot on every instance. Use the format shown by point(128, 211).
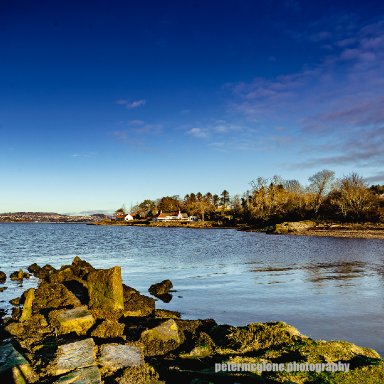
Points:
point(83, 325)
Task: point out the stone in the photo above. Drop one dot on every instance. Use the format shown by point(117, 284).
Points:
point(143, 374)
point(81, 268)
point(27, 307)
point(54, 296)
point(16, 313)
point(14, 361)
point(33, 268)
point(161, 288)
point(166, 314)
point(117, 356)
point(105, 289)
point(293, 227)
point(88, 375)
point(15, 301)
point(3, 277)
point(161, 339)
point(137, 305)
point(44, 272)
point(109, 329)
point(2, 289)
point(19, 275)
point(78, 320)
point(79, 354)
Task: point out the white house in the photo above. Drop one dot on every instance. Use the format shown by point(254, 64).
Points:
point(128, 217)
point(173, 216)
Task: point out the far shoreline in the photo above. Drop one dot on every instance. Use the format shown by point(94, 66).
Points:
point(370, 231)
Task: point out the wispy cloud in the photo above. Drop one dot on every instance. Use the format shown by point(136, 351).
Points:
point(198, 133)
point(336, 106)
point(82, 155)
point(131, 104)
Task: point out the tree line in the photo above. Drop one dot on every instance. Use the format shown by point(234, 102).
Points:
point(274, 200)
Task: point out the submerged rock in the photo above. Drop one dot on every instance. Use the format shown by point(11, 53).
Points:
point(19, 275)
point(105, 288)
point(3, 277)
point(161, 288)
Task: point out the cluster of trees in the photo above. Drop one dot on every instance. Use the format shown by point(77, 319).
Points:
point(325, 197)
point(206, 206)
point(270, 201)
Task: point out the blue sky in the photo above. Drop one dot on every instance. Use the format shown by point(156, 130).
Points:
point(111, 102)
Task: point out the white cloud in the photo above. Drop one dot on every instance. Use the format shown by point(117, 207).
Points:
point(131, 104)
point(198, 133)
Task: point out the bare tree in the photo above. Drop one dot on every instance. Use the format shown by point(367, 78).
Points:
point(320, 186)
point(355, 200)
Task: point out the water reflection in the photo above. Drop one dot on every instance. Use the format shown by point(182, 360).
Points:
point(340, 271)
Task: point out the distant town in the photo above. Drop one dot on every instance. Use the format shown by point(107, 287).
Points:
point(49, 217)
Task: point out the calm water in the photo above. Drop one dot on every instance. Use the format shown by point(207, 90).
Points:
point(328, 288)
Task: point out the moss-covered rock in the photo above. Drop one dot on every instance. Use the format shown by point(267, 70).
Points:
point(50, 296)
point(105, 288)
point(27, 307)
point(135, 304)
point(19, 275)
point(161, 288)
point(78, 320)
point(161, 339)
point(143, 374)
point(109, 329)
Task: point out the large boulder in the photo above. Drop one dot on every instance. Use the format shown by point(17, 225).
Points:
point(79, 354)
point(27, 307)
point(117, 356)
point(105, 289)
point(81, 268)
point(137, 305)
point(88, 375)
point(161, 339)
point(3, 277)
point(50, 296)
point(78, 320)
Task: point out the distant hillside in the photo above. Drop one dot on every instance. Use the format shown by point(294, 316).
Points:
point(47, 217)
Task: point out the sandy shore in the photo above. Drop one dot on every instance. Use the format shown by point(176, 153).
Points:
point(350, 233)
